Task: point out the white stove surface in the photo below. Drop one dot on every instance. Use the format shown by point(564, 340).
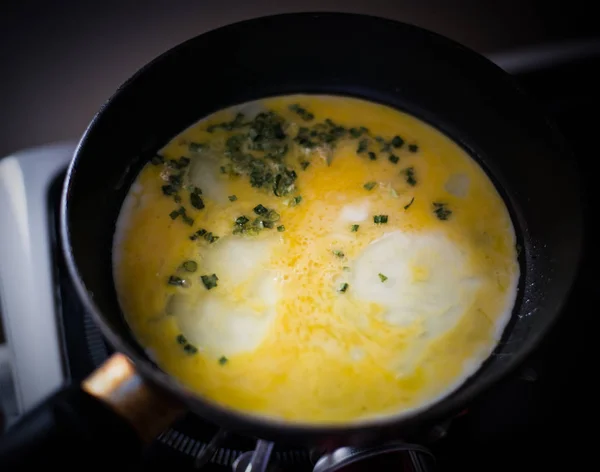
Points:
point(27, 301)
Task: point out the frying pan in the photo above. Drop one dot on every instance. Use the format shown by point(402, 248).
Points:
point(439, 81)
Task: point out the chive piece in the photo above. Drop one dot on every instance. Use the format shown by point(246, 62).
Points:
point(382, 277)
point(363, 145)
point(397, 142)
point(410, 176)
point(393, 159)
point(380, 219)
point(346, 269)
point(295, 201)
point(260, 210)
point(189, 349)
point(232, 198)
point(354, 228)
point(406, 207)
point(302, 112)
point(157, 160)
point(209, 281)
point(338, 253)
point(304, 165)
point(190, 266)
point(281, 228)
point(413, 147)
point(177, 281)
point(211, 238)
point(223, 360)
point(369, 185)
point(241, 220)
point(196, 201)
point(197, 234)
point(187, 220)
point(169, 190)
point(267, 224)
point(372, 156)
point(343, 287)
point(196, 147)
point(273, 215)
point(174, 214)
point(441, 211)
point(181, 339)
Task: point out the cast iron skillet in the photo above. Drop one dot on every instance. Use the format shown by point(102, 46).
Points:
point(454, 89)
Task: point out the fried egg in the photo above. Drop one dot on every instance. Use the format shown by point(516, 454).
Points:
point(316, 259)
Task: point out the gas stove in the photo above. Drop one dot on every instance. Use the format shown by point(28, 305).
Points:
point(523, 421)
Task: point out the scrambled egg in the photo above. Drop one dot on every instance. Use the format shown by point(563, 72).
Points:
point(384, 277)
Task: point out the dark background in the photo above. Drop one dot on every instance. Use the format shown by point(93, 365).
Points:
point(61, 59)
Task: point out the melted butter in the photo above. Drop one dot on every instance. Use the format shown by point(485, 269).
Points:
point(323, 356)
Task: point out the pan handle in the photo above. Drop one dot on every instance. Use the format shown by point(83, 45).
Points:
point(106, 420)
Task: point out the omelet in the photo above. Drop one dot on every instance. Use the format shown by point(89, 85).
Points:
point(316, 259)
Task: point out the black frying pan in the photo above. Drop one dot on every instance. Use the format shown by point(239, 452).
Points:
point(452, 88)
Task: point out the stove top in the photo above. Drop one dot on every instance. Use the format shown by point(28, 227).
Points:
point(532, 418)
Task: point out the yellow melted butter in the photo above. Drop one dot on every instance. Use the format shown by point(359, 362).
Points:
point(327, 357)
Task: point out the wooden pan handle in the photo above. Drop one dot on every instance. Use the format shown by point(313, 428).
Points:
point(106, 419)
point(147, 409)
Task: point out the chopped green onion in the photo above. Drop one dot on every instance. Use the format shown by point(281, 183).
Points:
point(346, 269)
point(363, 145)
point(413, 147)
point(304, 164)
point(177, 281)
point(410, 176)
point(187, 220)
point(232, 198)
point(382, 277)
point(273, 215)
point(281, 228)
point(196, 201)
point(369, 185)
point(354, 228)
point(441, 211)
point(211, 238)
point(295, 201)
point(260, 210)
point(372, 156)
point(190, 266)
point(343, 287)
point(241, 220)
point(174, 214)
point(303, 113)
point(393, 159)
point(223, 360)
point(380, 219)
point(338, 253)
point(181, 339)
point(209, 281)
point(397, 141)
point(169, 189)
point(406, 207)
point(197, 234)
point(189, 349)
